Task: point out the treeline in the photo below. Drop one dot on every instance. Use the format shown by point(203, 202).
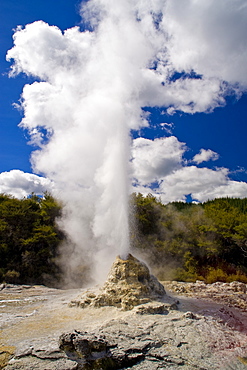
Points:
point(186, 241)
point(29, 239)
point(180, 241)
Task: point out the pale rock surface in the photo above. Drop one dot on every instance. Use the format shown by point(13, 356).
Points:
point(231, 294)
point(188, 340)
point(129, 284)
point(141, 329)
point(163, 341)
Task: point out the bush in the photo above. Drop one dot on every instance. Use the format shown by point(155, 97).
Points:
point(12, 277)
point(181, 274)
point(214, 275)
point(237, 277)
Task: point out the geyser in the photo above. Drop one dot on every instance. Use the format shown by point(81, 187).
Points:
point(80, 117)
point(90, 90)
point(92, 87)
point(129, 284)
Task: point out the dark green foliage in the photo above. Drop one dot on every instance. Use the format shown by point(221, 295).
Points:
point(241, 204)
point(148, 211)
point(187, 241)
point(29, 238)
point(180, 206)
point(182, 241)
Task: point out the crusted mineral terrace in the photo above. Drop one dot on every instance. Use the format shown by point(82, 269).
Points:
point(129, 284)
point(230, 294)
point(141, 329)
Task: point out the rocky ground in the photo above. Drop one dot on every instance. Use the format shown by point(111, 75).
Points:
point(207, 330)
point(230, 294)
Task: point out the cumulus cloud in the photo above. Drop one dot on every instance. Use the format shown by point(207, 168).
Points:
point(21, 184)
point(90, 92)
point(208, 37)
point(159, 168)
point(154, 159)
point(201, 183)
point(205, 155)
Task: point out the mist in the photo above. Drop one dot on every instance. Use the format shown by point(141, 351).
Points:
point(91, 85)
point(79, 115)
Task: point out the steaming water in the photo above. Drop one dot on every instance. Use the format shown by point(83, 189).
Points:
point(90, 90)
point(80, 114)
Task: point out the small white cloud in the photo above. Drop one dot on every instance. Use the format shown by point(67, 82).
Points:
point(21, 184)
point(205, 155)
point(240, 170)
point(167, 127)
point(171, 111)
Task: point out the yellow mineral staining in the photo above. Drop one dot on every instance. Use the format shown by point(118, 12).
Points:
point(129, 284)
point(243, 360)
point(6, 352)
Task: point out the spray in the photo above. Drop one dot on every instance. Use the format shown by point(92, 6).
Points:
point(79, 114)
point(89, 92)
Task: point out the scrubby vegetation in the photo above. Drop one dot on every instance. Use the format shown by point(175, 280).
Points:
point(181, 241)
point(185, 241)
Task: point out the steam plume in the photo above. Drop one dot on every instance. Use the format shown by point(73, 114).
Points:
point(90, 90)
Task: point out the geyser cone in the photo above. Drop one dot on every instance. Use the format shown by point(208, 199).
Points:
point(131, 276)
point(129, 284)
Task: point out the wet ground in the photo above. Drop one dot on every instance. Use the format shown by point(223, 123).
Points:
point(30, 314)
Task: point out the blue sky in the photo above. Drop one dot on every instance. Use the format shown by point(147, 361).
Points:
point(220, 133)
point(223, 131)
point(15, 152)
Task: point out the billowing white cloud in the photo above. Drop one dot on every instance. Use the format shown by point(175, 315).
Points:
point(201, 183)
point(208, 37)
point(191, 180)
point(205, 155)
point(154, 159)
point(160, 163)
point(21, 184)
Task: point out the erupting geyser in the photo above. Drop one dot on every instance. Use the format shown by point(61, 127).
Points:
point(94, 85)
point(129, 284)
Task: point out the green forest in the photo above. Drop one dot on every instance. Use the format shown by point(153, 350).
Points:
point(29, 239)
point(180, 241)
point(189, 242)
